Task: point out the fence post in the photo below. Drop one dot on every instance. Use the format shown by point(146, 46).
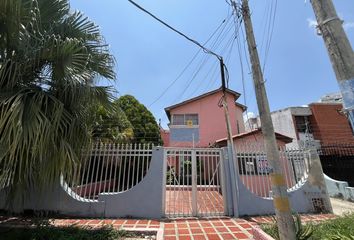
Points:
point(231, 181)
point(316, 177)
point(194, 184)
point(225, 187)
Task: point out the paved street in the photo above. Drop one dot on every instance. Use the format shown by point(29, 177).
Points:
point(341, 207)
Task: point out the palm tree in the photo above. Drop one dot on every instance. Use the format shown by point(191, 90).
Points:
point(49, 58)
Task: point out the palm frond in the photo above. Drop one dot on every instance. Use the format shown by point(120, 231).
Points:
point(49, 57)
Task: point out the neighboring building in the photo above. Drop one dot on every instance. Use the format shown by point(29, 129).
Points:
point(332, 98)
point(329, 124)
point(312, 125)
point(165, 136)
point(200, 121)
point(292, 122)
point(253, 138)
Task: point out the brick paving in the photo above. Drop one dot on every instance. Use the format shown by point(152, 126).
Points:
point(127, 224)
point(179, 229)
point(179, 202)
point(304, 218)
point(213, 229)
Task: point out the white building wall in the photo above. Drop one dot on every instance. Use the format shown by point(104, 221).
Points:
point(283, 121)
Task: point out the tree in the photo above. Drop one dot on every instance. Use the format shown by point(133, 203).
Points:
point(111, 125)
point(49, 58)
point(145, 127)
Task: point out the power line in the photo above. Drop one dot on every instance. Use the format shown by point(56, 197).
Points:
point(205, 60)
point(219, 39)
point(216, 42)
point(236, 35)
point(224, 22)
point(206, 50)
point(270, 31)
point(178, 77)
point(238, 27)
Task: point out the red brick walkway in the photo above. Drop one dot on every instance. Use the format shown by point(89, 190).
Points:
point(179, 203)
point(212, 229)
point(304, 218)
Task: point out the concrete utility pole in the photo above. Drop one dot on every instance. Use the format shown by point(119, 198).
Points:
point(339, 50)
point(230, 141)
point(280, 196)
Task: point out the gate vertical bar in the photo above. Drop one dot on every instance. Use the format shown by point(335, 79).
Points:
point(194, 184)
point(222, 181)
point(234, 178)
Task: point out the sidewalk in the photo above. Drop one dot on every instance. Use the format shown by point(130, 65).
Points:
point(341, 207)
point(181, 229)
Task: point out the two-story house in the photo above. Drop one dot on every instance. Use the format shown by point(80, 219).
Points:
point(200, 121)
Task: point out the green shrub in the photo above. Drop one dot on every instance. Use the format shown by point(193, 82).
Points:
point(66, 233)
point(341, 228)
point(303, 232)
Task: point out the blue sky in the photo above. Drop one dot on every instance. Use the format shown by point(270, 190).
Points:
point(149, 56)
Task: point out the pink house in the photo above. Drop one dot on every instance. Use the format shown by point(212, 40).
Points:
point(200, 121)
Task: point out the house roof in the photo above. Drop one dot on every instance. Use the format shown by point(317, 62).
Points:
point(278, 136)
point(236, 94)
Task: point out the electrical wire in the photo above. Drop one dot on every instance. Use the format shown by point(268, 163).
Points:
point(217, 64)
point(238, 22)
point(219, 39)
point(271, 30)
point(206, 50)
point(224, 22)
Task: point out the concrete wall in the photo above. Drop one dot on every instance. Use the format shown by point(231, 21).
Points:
point(303, 199)
point(339, 189)
point(144, 200)
point(212, 124)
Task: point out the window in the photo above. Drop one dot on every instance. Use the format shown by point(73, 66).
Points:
point(178, 119)
point(185, 119)
point(191, 118)
point(302, 124)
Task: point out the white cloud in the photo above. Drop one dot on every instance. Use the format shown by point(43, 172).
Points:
point(249, 115)
point(348, 25)
point(312, 23)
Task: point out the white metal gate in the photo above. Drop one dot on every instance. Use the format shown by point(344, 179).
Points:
point(194, 182)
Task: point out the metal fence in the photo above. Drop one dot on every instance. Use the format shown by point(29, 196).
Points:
point(110, 168)
point(194, 182)
point(254, 169)
point(338, 161)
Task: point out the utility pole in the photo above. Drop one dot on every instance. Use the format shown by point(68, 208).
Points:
point(339, 49)
point(224, 102)
point(281, 202)
point(230, 141)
